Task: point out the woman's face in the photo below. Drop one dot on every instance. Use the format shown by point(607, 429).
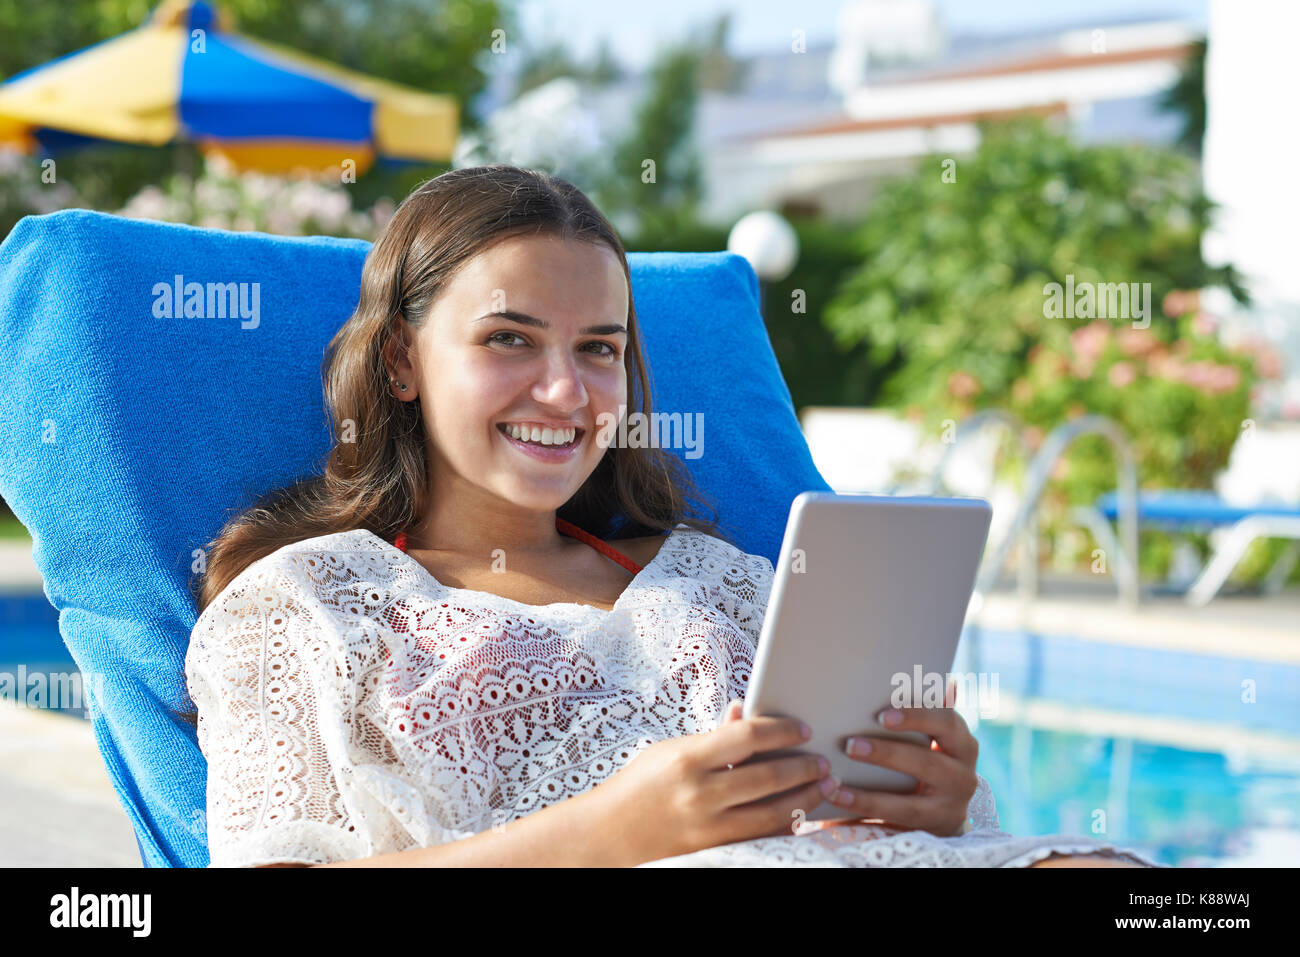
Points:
point(529, 334)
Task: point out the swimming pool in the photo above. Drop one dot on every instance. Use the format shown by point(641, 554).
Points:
point(32, 650)
point(1081, 743)
point(1101, 739)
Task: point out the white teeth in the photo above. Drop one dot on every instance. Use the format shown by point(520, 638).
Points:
point(542, 436)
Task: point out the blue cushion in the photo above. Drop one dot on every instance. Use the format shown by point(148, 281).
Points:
point(127, 439)
point(1190, 508)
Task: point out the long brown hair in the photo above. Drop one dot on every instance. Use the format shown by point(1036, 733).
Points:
point(379, 481)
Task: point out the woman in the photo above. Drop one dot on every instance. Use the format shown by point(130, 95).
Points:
point(430, 654)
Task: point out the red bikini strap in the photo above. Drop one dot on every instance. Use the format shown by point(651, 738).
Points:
point(568, 528)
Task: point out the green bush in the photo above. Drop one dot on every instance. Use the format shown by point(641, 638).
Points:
point(818, 370)
point(954, 302)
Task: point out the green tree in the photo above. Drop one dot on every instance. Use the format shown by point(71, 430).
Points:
point(954, 266)
point(656, 173)
point(1186, 98)
point(552, 60)
point(956, 300)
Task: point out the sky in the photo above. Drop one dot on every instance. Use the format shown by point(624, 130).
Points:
point(634, 29)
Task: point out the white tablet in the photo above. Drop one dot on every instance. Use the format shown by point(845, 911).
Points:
point(867, 606)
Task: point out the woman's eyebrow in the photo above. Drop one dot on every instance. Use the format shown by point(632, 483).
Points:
point(524, 319)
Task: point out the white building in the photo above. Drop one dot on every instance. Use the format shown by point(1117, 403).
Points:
point(901, 88)
point(1251, 72)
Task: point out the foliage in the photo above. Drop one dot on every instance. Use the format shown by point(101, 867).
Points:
point(954, 273)
point(1187, 99)
point(550, 60)
point(661, 133)
point(223, 199)
point(816, 369)
point(952, 300)
point(1181, 405)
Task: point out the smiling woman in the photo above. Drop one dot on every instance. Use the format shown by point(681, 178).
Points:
point(432, 364)
point(430, 654)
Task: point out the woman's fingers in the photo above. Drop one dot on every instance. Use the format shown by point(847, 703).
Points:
point(934, 769)
point(902, 811)
point(942, 724)
point(764, 778)
point(782, 814)
point(735, 742)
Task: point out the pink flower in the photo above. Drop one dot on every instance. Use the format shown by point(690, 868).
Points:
point(1122, 374)
point(1212, 378)
point(1224, 379)
point(1089, 341)
point(1268, 363)
point(1179, 302)
point(962, 385)
point(1167, 367)
point(1204, 323)
point(1135, 342)
point(1199, 374)
point(1082, 368)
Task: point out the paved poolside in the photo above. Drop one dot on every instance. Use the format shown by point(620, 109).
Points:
point(60, 809)
point(1262, 628)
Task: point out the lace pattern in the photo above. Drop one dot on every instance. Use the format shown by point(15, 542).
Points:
point(351, 705)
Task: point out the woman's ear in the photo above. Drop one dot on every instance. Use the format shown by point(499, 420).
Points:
point(397, 359)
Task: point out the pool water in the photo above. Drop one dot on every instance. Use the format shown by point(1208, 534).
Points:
point(1183, 808)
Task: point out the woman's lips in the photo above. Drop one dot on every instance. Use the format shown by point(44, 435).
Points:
point(544, 453)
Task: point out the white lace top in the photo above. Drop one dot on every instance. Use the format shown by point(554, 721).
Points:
point(351, 705)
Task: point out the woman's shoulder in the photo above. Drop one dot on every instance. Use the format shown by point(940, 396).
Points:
point(292, 566)
point(714, 551)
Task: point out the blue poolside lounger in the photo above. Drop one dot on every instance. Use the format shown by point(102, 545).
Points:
point(1188, 509)
point(127, 437)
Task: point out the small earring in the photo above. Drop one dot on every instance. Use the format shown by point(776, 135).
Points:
point(402, 386)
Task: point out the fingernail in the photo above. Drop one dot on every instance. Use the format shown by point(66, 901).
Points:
point(805, 730)
point(890, 717)
point(842, 798)
point(857, 747)
point(828, 786)
point(823, 766)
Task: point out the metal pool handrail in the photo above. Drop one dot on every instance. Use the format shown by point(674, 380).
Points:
point(970, 427)
point(1054, 446)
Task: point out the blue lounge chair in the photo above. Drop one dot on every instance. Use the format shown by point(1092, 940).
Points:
point(126, 439)
point(1191, 510)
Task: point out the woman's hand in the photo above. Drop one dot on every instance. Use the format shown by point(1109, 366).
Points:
point(945, 770)
point(685, 794)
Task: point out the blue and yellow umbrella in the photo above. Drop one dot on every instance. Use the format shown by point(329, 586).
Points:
point(184, 75)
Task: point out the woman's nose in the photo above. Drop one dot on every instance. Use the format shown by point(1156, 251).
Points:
point(560, 384)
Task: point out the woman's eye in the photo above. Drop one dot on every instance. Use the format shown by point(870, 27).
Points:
point(601, 348)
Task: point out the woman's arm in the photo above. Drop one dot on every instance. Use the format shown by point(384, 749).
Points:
point(573, 833)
